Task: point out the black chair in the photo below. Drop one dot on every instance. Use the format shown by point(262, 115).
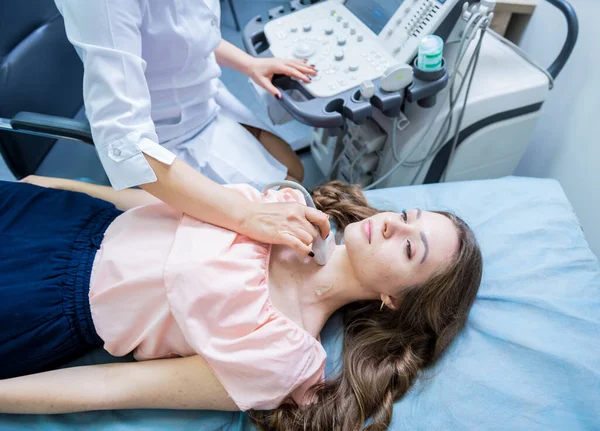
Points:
point(41, 81)
point(40, 84)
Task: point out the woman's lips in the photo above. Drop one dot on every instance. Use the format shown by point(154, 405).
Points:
point(367, 228)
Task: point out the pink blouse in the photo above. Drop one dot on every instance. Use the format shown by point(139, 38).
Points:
point(165, 284)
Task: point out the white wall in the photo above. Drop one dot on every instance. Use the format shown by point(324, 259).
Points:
point(566, 143)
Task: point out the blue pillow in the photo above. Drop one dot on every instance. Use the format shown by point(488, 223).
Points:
point(529, 358)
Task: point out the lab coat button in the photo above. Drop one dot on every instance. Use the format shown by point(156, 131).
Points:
point(116, 152)
point(213, 22)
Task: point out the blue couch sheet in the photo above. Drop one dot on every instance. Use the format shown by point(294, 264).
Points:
point(529, 358)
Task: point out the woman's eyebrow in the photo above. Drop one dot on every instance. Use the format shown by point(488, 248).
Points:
point(424, 239)
point(426, 244)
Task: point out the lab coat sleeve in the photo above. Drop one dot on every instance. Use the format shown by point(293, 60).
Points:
point(106, 35)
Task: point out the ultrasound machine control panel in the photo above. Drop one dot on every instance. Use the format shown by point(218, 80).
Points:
point(354, 41)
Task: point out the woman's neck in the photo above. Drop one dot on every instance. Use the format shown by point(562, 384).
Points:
point(309, 293)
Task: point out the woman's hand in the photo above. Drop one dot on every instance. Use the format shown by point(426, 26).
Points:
point(261, 70)
point(286, 223)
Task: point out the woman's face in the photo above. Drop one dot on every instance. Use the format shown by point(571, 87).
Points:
point(391, 251)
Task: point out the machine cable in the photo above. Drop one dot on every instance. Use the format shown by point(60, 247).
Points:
point(476, 21)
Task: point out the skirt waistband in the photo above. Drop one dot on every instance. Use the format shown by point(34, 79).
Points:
point(83, 253)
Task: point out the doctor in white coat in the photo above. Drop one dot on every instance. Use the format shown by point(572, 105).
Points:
point(162, 120)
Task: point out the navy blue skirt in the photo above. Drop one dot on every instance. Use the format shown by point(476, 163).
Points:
point(48, 241)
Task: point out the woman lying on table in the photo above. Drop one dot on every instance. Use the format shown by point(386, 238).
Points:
point(219, 321)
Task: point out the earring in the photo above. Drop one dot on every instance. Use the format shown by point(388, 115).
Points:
point(382, 304)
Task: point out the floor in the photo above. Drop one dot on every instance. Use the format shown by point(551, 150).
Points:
point(75, 160)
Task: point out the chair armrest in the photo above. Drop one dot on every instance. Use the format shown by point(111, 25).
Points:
point(52, 126)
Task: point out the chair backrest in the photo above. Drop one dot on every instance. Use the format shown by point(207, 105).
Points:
point(39, 72)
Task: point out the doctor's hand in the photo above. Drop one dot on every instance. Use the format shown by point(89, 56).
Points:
point(261, 70)
point(284, 223)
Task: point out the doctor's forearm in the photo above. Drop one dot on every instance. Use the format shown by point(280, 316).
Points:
point(229, 55)
point(189, 191)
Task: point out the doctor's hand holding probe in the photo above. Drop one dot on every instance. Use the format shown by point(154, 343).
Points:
point(162, 120)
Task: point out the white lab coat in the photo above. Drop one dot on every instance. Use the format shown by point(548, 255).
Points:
point(151, 85)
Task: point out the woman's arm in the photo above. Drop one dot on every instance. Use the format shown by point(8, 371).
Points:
point(122, 199)
point(180, 384)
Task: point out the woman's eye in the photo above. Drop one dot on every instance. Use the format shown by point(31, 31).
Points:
point(408, 249)
point(404, 216)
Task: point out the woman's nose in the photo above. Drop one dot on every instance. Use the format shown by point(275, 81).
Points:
point(393, 227)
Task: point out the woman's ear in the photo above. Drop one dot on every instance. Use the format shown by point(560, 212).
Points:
point(389, 302)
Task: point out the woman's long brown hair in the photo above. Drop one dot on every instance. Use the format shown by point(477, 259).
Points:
point(383, 352)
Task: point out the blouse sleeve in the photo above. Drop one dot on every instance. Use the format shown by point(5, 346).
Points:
point(259, 356)
point(261, 369)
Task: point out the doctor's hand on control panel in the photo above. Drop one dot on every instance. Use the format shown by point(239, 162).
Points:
point(262, 70)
